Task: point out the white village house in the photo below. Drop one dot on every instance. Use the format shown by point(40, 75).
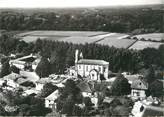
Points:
point(50, 100)
point(26, 61)
point(139, 88)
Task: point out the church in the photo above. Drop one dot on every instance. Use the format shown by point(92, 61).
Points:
point(91, 68)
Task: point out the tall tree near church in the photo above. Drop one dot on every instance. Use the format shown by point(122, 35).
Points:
point(43, 68)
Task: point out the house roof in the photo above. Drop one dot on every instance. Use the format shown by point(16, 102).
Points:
point(132, 78)
point(92, 62)
point(108, 100)
point(43, 80)
point(53, 96)
point(21, 80)
point(84, 87)
point(139, 84)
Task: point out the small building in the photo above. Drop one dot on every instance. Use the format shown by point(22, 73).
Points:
point(108, 100)
point(13, 80)
point(72, 71)
point(88, 91)
point(139, 88)
point(85, 88)
point(30, 92)
point(92, 68)
point(41, 82)
point(132, 78)
point(50, 100)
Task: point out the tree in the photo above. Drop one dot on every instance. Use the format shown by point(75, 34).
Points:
point(120, 86)
point(5, 69)
point(120, 111)
point(150, 75)
point(43, 68)
point(77, 111)
point(161, 54)
point(58, 60)
point(71, 88)
point(87, 102)
point(48, 88)
point(156, 88)
point(70, 95)
point(68, 105)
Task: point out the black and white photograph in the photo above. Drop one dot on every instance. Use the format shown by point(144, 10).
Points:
point(81, 58)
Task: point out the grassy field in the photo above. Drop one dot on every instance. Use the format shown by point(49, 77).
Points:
point(151, 36)
point(118, 43)
point(34, 38)
point(139, 45)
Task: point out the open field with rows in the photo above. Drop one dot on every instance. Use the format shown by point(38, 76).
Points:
point(151, 36)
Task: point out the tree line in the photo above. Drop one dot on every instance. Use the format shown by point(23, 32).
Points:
point(61, 55)
point(135, 20)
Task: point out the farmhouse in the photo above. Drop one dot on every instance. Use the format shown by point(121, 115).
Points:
point(139, 88)
point(25, 62)
point(50, 100)
point(94, 69)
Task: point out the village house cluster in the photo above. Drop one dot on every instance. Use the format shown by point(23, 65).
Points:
point(94, 72)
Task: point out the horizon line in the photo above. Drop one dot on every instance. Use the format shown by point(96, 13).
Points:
point(97, 6)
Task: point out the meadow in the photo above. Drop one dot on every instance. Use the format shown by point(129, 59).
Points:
point(151, 36)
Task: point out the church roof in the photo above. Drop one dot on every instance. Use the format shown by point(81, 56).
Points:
point(92, 62)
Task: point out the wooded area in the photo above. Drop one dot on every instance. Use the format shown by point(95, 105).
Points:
point(124, 20)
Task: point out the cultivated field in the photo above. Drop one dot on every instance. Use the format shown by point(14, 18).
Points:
point(139, 45)
point(117, 40)
point(78, 40)
point(84, 39)
point(118, 43)
point(151, 36)
point(62, 33)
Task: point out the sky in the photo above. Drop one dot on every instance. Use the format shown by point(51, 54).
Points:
point(71, 3)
